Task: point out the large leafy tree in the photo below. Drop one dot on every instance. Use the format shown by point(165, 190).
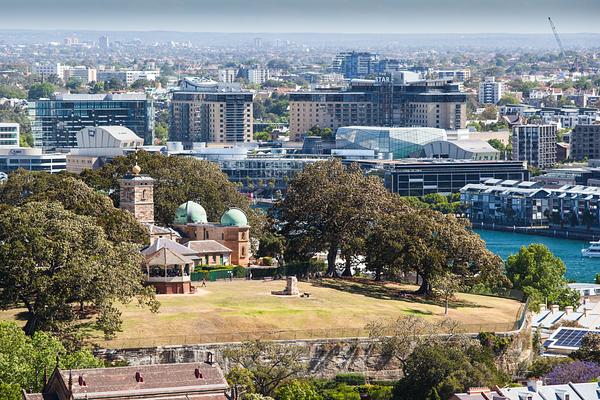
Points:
point(331, 207)
point(178, 179)
point(41, 90)
point(24, 187)
point(540, 274)
point(60, 265)
point(435, 369)
point(267, 365)
point(24, 359)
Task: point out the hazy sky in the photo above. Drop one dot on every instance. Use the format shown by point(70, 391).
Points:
point(357, 16)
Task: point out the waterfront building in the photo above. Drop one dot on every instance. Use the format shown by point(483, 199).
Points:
point(355, 64)
point(490, 91)
point(389, 142)
point(9, 134)
point(210, 112)
point(535, 144)
point(199, 380)
point(31, 159)
point(527, 203)
point(445, 176)
point(97, 145)
point(585, 142)
point(461, 150)
point(55, 122)
point(393, 100)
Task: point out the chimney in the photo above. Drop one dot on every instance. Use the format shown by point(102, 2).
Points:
point(568, 310)
point(554, 308)
point(542, 307)
point(209, 357)
point(535, 384)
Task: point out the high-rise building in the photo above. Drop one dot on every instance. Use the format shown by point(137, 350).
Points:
point(535, 144)
point(9, 134)
point(228, 75)
point(257, 75)
point(55, 122)
point(83, 73)
point(490, 91)
point(212, 112)
point(50, 69)
point(127, 76)
point(392, 100)
point(103, 42)
point(355, 65)
point(585, 142)
point(459, 75)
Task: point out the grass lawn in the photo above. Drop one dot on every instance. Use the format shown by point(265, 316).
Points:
point(239, 310)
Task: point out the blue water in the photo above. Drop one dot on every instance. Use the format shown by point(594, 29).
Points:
point(579, 269)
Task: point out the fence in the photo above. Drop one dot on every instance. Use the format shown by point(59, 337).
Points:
point(296, 334)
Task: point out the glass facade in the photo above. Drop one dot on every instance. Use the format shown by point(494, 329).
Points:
point(56, 122)
point(399, 142)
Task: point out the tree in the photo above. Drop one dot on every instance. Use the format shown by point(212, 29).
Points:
point(161, 132)
point(330, 207)
point(24, 359)
point(11, 92)
point(56, 262)
point(297, 390)
point(540, 275)
point(141, 84)
point(490, 112)
point(73, 84)
point(41, 90)
point(508, 98)
point(26, 186)
point(446, 285)
point(97, 87)
point(442, 370)
point(498, 145)
point(575, 372)
point(325, 133)
point(269, 364)
point(177, 180)
point(589, 350)
point(262, 136)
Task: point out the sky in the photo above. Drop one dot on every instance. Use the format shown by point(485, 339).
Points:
point(319, 16)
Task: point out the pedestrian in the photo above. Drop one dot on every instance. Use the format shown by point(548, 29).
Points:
point(230, 276)
point(203, 282)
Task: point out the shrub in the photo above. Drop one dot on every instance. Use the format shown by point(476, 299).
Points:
point(352, 379)
point(342, 392)
point(267, 261)
point(494, 342)
point(376, 392)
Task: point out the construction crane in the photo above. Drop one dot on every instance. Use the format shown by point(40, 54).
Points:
point(560, 46)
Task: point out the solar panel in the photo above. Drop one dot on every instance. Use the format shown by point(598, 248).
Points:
point(565, 337)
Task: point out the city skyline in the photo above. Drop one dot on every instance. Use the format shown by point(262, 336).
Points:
point(331, 16)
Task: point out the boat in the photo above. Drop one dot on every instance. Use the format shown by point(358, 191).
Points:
point(592, 251)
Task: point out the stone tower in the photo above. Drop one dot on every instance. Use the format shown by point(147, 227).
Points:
point(137, 195)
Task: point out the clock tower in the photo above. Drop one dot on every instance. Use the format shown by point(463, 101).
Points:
point(137, 195)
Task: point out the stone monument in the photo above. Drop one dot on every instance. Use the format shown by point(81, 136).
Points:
point(291, 287)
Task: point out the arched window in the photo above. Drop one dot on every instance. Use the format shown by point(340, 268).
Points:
point(243, 251)
point(144, 195)
point(206, 234)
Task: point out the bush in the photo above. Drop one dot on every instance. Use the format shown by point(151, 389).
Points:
point(267, 260)
point(494, 342)
point(352, 379)
point(10, 391)
point(376, 392)
point(342, 392)
point(240, 272)
point(576, 372)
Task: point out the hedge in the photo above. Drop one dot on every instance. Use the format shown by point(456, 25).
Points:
point(352, 379)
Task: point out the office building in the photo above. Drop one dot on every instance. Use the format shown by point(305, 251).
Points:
point(103, 42)
point(55, 122)
point(490, 91)
point(127, 76)
point(97, 145)
point(355, 64)
point(9, 134)
point(31, 159)
point(389, 65)
point(48, 69)
point(458, 75)
point(389, 142)
point(585, 142)
point(228, 75)
point(393, 100)
point(257, 75)
point(83, 73)
point(535, 144)
point(208, 111)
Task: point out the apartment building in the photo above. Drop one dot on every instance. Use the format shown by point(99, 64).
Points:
point(48, 69)
point(211, 112)
point(393, 100)
point(585, 142)
point(535, 144)
point(490, 91)
point(83, 73)
point(258, 75)
point(355, 64)
point(127, 76)
point(459, 75)
point(228, 75)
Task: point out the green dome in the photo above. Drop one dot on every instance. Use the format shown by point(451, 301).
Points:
point(234, 217)
point(190, 212)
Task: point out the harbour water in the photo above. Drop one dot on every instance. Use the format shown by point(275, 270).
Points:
point(580, 269)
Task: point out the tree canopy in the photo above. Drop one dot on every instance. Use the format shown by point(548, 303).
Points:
point(178, 179)
point(41, 90)
point(24, 187)
point(25, 359)
point(540, 275)
point(61, 267)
